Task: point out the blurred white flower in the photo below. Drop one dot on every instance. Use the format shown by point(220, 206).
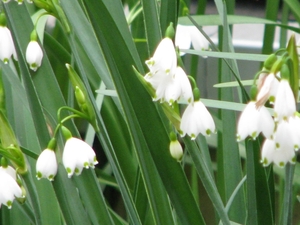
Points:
point(76, 155)
point(34, 55)
point(164, 59)
point(284, 105)
point(187, 35)
point(7, 48)
point(46, 165)
point(9, 189)
point(196, 119)
point(254, 120)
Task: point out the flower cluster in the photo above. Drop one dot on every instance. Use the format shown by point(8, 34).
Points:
point(77, 155)
point(34, 52)
point(171, 84)
point(282, 131)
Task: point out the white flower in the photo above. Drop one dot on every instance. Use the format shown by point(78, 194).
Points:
point(254, 120)
point(7, 48)
point(34, 55)
point(46, 165)
point(9, 189)
point(286, 136)
point(76, 155)
point(196, 119)
point(284, 105)
point(187, 35)
point(9, 170)
point(164, 59)
point(268, 89)
point(279, 156)
point(176, 150)
point(171, 88)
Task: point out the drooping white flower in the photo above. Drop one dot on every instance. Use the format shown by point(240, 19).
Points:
point(268, 89)
point(284, 105)
point(176, 149)
point(164, 59)
point(34, 55)
point(254, 120)
point(279, 156)
point(197, 119)
point(46, 165)
point(9, 170)
point(287, 136)
point(77, 155)
point(9, 189)
point(171, 88)
point(187, 35)
point(7, 48)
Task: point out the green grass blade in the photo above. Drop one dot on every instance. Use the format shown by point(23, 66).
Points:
point(152, 24)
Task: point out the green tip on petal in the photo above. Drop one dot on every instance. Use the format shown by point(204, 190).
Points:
point(9, 204)
point(265, 162)
point(51, 178)
point(208, 132)
point(69, 171)
point(193, 137)
point(281, 164)
point(2, 20)
point(254, 135)
point(277, 145)
point(39, 175)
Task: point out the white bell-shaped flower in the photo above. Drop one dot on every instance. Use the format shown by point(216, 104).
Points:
point(34, 55)
point(268, 88)
point(280, 156)
point(187, 35)
point(197, 119)
point(46, 165)
point(7, 48)
point(9, 189)
point(254, 120)
point(164, 59)
point(284, 105)
point(171, 88)
point(77, 155)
